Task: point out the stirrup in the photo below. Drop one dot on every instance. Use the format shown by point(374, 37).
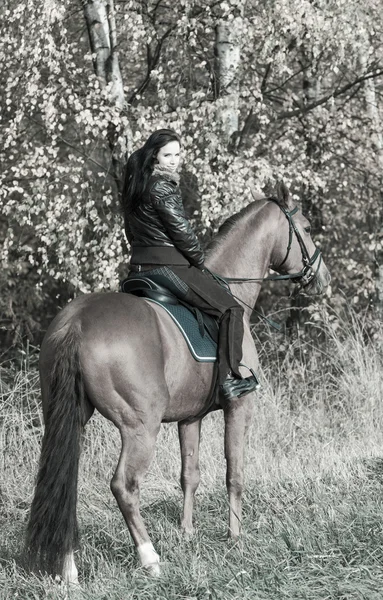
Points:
point(236, 388)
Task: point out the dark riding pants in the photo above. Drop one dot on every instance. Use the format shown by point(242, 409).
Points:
point(212, 298)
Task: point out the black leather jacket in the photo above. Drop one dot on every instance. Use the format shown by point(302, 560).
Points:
point(158, 230)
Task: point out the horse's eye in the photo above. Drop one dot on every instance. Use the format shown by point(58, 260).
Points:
point(307, 229)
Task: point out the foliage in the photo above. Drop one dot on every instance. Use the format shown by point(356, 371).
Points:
point(302, 112)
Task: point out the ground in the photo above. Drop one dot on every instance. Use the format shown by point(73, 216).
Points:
point(313, 518)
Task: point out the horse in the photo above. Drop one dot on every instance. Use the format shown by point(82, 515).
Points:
point(94, 354)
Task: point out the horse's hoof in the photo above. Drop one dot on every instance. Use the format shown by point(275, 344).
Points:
point(187, 532)
point(149, 559)
point(70, 573)
point(153, 570)
point(65, 580)
point(233, 536)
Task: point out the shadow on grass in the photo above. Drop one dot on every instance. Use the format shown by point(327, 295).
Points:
point(167, 510)
point(14, 562)
point(374, 468)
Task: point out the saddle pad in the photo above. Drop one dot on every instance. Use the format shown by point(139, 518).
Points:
point(203, 349)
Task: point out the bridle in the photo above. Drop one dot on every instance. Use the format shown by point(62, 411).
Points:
point(306, 275)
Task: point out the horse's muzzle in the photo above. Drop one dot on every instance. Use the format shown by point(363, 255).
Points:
point(317, 284)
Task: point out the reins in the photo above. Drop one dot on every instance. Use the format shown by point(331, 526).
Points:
point(307, 271)
point(223, 281)
point(307, 260)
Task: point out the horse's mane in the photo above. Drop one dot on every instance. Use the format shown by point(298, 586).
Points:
point(228, 225)
point(281, 197)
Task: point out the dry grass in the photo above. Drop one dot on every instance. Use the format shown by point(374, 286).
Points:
point(312, 508)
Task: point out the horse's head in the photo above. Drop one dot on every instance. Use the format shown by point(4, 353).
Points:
point(295, 251)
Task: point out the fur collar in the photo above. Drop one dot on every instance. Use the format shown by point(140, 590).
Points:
point(166, 174)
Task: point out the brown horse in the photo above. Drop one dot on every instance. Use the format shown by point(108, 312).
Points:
point(125, 356)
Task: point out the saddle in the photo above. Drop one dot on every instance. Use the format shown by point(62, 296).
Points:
point(199, 329)
point(147, 288)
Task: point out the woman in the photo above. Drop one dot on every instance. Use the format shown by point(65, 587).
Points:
point(161, 236)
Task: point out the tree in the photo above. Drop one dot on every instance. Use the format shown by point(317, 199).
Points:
point(69, 114)
point(372, 109)
point(227, 55)
point(101, 25)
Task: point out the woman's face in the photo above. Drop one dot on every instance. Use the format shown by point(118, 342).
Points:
point(169, 155)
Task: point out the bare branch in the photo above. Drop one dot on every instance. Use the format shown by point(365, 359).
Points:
point(245, 130)
point(151, 65)
point(265, 77)
point(283, 84)
point(153, 58)
point(338, 92)
point(79, 151)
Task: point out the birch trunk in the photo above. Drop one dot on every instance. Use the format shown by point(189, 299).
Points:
point(373, 114)
point(100, 21)
point(227, 62)
point(310, 202)
point(101, 24)
point(377, 140)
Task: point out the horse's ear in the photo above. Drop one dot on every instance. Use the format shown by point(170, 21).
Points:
point(283, 193)
point(256, 195)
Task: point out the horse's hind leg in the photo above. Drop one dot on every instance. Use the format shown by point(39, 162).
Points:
point(189, 436)
point(137, 451)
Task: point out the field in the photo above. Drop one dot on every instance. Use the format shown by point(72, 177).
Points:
point(313, 519)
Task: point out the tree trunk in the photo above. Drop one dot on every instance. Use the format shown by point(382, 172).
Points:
point(377, 140)
point(99, 17)
point(100, 21)
point(310, 200)
point(227, 62)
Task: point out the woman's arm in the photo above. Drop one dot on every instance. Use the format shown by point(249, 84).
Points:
point(167, 201)
point(128, 232)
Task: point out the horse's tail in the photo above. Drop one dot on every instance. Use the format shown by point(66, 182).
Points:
point(52, 531)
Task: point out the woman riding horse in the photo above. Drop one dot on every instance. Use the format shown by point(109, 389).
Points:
point(126, 358)
point(163, 241)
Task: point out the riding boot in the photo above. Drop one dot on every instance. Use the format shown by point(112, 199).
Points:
point(236, 388)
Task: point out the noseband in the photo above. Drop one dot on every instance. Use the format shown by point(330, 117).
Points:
point(307, 274)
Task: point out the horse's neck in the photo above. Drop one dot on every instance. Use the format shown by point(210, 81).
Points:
point(245, 252)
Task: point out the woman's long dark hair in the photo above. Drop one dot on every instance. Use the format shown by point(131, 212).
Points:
point(140, 166)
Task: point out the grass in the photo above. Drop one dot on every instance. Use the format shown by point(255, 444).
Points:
point(313, 504)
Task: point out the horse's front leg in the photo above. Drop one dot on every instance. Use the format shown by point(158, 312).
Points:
point(237, 420)
point(189, 436)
